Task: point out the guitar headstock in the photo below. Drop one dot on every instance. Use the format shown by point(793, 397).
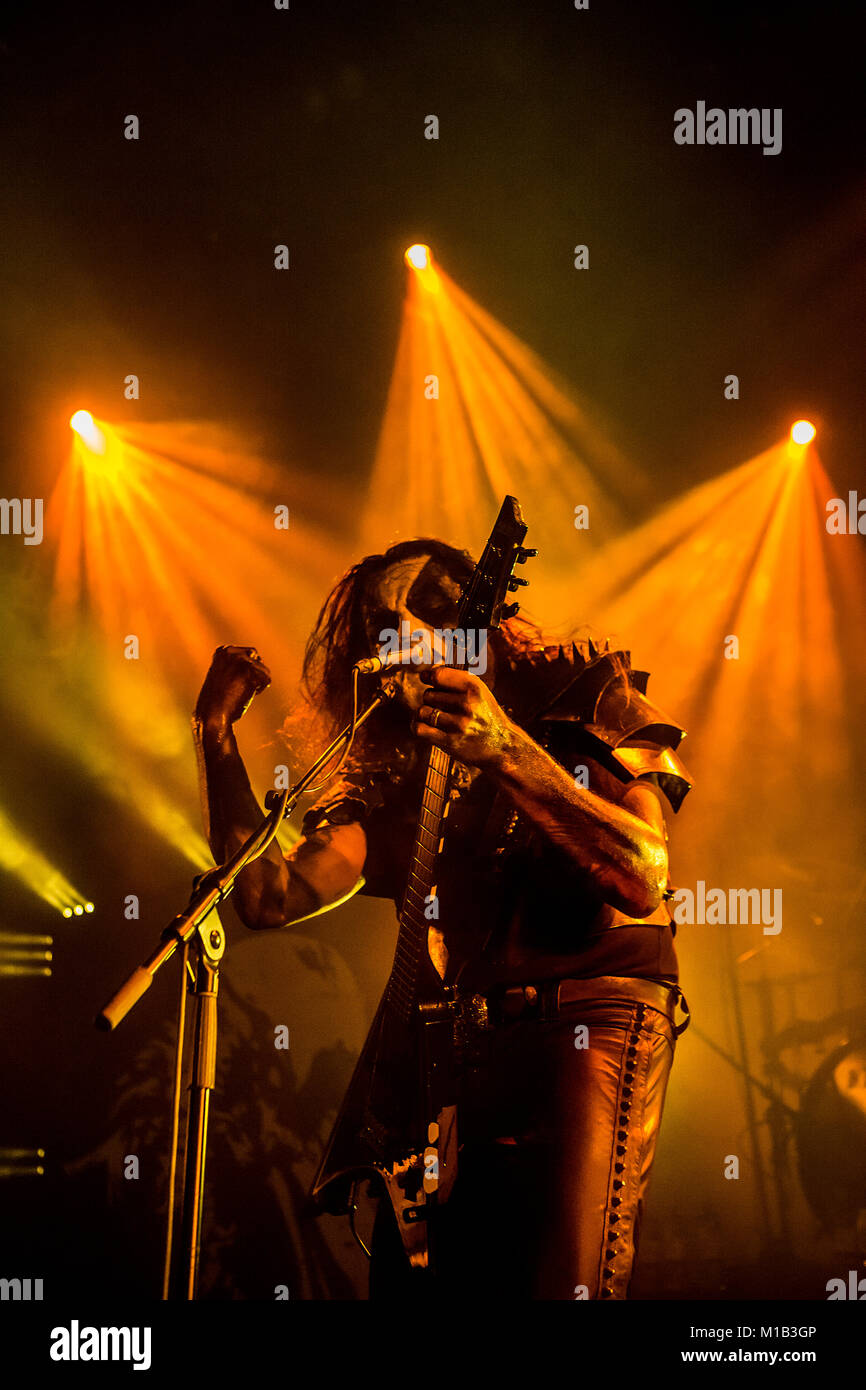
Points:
point(483, 603)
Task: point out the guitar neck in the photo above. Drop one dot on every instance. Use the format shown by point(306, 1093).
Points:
point(402, 990)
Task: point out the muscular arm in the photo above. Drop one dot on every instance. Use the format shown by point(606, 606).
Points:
point(621, 847)
point(276, 889)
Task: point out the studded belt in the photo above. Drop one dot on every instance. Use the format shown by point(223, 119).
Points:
point(545, 999)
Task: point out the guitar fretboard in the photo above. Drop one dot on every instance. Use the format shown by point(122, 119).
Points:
point(402, 989)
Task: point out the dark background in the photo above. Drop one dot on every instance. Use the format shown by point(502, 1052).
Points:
point(304, 126)
point(156, 257)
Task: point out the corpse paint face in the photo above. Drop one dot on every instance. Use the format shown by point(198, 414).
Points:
point(418, 591)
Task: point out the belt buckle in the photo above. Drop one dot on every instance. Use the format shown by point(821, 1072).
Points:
point(471, 1017)
point(517, 1000)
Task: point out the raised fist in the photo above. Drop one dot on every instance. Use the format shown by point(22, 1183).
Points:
point(236, 675)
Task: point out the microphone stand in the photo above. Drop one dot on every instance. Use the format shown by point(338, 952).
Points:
point(207, 946)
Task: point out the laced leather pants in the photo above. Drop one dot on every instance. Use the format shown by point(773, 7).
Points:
point(556, 1145)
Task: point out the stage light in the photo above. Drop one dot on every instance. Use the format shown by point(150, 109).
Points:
point(78, 910)
point(23, 953)
point(803, 432)
point(84, 425)
point(88, 907)
point(145, 518)
point(418, 256)
point(24, 859)
point(503, 422)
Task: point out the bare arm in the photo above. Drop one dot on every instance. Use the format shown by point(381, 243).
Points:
point(621, 847)
point(276, 889)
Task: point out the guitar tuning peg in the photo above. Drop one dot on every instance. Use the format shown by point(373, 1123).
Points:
point(524, 555)
point(515, 583)
point(510, 610)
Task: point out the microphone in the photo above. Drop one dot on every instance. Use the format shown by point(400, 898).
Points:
point(403, 656)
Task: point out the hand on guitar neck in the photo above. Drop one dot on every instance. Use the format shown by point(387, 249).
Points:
point(461, 715)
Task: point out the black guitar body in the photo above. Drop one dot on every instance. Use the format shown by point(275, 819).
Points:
point(402, 1087)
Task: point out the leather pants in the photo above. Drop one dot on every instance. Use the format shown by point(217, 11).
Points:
point(558, 1118)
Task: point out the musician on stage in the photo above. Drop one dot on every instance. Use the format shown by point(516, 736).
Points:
point(550, 908)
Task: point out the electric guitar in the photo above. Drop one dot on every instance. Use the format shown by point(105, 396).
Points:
point(398, 1120)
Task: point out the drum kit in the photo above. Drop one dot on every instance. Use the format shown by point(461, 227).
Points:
point(821, 1060)
point(831, 1136)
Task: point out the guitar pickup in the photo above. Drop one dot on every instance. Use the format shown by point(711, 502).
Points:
point(436, 1008)
point(412, 1215)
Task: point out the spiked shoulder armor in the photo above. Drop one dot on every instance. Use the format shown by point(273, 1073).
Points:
point(594, 692)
